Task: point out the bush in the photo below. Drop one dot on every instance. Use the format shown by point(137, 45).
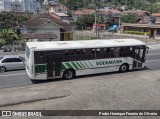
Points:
point(136, 32)
point(2, 42)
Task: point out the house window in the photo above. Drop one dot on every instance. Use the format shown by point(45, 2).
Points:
point(158, 32)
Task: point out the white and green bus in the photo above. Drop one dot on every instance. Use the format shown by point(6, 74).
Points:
point(67, 59)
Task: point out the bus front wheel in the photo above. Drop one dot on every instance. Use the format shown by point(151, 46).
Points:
point(124, 68)
point(69, 74)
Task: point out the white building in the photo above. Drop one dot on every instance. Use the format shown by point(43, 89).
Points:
point(47, 2)
point(58, 8)
point(31, 6)
point(20, 6)
point(11, 5)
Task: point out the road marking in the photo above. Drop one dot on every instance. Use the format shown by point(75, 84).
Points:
point(12, 74)
point(153, 54)
point(153, 60)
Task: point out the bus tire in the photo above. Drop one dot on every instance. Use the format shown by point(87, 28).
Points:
point(124, 68)
point(2, 69)
point(69, 74)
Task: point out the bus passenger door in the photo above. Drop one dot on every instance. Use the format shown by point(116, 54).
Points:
point(50, 68)
point(57, 66)
point(138, 58)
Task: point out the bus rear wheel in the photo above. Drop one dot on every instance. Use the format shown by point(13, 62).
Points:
point(69, 74)
point(124, 68)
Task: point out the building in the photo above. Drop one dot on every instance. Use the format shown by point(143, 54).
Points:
point(58, 8)
point(47, 2)
point(20, 6)
point(153, 29)
point(80, 13)
point(65, 17)
point(11, 5)
point(156, 17)
point(31, 6)
point(47, 27)
point(143, 16)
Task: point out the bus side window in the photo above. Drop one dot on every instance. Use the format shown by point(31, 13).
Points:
point(116, 52)
point(72, 52)
point(83, 51)
point(112, 52)
point(78, 52)
point(93, 51)
point(107, 52)
point(66, 52)
point(98, 51)
point(121, 52)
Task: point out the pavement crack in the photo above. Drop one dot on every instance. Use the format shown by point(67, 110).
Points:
point(33, 100)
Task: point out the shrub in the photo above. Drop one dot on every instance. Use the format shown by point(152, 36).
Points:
point(136, 32)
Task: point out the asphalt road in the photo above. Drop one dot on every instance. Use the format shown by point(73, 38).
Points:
point(19, 77)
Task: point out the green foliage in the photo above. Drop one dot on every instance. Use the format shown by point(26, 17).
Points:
point(85, 19)
point(7, 22)
point(2, 42)
point(129, 18)
point(76, 4)
point(136, 32)
point(92, 6)
point(148, 5)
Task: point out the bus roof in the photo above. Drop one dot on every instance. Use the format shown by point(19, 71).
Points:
point(100, 43)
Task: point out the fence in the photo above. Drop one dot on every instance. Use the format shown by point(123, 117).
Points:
point(83, 35)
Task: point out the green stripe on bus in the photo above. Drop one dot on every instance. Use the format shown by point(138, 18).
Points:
point(90, 64)
point(63, 67)
point(74, 65)
point(82, 65)
point(68, 65)
point(40, 68)
point(79, 65)
point(86, 64)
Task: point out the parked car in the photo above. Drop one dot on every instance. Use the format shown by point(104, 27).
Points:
point(1, 49)
point(11, 62)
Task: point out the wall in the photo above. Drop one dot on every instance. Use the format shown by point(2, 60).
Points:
point(50, 28)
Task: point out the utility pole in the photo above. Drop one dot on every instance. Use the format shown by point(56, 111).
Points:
point(97, 18)
point(119, 24)
point(96, 23)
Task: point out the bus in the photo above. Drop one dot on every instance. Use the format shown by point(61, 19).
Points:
point(67, 59)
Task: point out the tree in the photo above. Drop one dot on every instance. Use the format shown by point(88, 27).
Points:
point(129, 18)
point(92, 6)
point(7, 22)
point(84, 20)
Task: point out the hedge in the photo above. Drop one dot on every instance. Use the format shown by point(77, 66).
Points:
point(136, 32)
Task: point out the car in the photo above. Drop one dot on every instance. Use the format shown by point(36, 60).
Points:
point(1, 49)
point(11, 62)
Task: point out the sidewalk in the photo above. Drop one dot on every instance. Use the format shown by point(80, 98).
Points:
point(30, 93)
